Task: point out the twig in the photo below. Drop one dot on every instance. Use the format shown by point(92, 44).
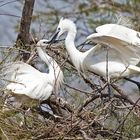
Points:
point(82, 91)
point(4, 134)
point(8, 2)
point(93, 97)
point(126, 116)
point(121, 92)
point(59, 102)
point(92, 86)
point(85, 135)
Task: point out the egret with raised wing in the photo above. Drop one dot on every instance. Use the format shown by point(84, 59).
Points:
point(121, 62)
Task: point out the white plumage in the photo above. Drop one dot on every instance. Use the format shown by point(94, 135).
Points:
point(122, 60)
point(124, 40)
point(26, 81)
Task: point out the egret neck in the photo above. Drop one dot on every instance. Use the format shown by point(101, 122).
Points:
point(54, 69)
point(75, 54)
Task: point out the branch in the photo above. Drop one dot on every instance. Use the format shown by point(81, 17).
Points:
point(59, 102)
point(123, 121)
point(96, 96)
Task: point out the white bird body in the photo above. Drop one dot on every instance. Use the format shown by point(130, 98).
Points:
point(94, 60)
point(27, 81)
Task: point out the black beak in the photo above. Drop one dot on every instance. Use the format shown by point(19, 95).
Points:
point(53, 39)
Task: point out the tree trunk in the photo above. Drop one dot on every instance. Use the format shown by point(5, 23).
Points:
point(23, 37)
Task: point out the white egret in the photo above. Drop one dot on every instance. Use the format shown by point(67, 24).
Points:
point(27, 83)
point(119, 63)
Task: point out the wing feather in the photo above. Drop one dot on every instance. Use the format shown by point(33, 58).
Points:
point(25, 80)
point(121, 38)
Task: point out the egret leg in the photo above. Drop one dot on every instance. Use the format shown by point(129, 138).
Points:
point(107, 74)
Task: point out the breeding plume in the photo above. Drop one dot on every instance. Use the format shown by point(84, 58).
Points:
point(26, 82)
point(122, 58)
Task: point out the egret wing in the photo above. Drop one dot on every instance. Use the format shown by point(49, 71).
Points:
point(21, 78)
point(128, 37)
point(22, 67)
point(120, 32)
point(8, 71)
point(34, 86)
point(129, 52)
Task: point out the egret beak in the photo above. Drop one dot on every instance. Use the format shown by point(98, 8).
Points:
point(54, 37)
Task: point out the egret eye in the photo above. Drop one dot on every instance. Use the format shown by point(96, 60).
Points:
point(45, 42)
point(58, 29)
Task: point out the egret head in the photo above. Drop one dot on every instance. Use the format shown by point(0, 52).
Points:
point(42, 43)
point(65, 25)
